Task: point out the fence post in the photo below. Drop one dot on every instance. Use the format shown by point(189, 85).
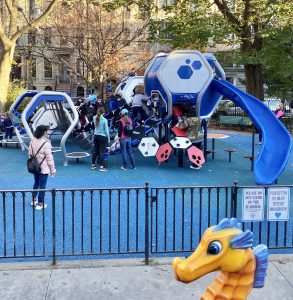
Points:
point(234, 200)
point(146, 243)
point(53, 226)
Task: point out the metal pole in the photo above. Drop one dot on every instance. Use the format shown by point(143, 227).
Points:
point(252, 148)
point(146, 253)
point(53, 227)
point(234, 199)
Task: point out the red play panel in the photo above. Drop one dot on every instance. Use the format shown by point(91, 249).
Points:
point(164, 152)
point(195, 155)
point(179, 132)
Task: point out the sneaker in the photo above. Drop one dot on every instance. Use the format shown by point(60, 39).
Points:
point(40, 206)
point(34, 202)
point(123, 168)
point(102, 169)
point(93, 167)
point(133, 168)
point(195, 168)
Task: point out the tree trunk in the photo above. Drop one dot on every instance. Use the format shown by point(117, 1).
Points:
point(254, 80)
point(5, 69)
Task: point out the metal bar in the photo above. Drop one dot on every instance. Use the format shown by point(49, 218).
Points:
point(146, 242)
point(72, 221)
point(14, 223)
point(128, 191)
point(82, 222)
point(136, 221)
point(165, 219)
point(101, 217)
point(63, 220)
point(54, 226)
point(191, 219)
point(174, 218)
point(182, 220)
point(23, 223)
point(110, 219)
point(92, 221)
point(119, 219)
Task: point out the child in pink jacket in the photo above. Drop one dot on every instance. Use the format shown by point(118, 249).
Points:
point(45, 158)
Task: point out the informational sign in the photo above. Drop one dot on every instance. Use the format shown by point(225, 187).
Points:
point(278, 204)
point(253, 204)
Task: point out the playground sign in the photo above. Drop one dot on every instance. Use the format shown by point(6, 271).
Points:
point(253, 204)
point(278, 204)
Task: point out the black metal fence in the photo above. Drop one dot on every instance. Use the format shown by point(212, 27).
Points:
point(124, 222)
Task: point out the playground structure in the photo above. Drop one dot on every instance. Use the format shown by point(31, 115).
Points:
point(185, 77)
point(54, 109)
point(226, 248)
point(125, 88)
point(191, 78)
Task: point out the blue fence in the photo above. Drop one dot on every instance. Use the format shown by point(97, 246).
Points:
point(119, 222)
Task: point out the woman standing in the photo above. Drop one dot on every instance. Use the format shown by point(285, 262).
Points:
point(101, 138)
point(41, 147)
point(125, 140)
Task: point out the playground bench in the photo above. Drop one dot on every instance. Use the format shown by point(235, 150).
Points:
point(239, 121)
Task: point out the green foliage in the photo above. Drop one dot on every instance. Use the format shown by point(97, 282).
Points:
point(277, 58)
point(15, 88)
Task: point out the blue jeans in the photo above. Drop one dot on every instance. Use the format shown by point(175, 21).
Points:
point(125, 145)
point(40, 183)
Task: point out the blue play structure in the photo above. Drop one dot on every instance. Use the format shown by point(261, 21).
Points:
point(190, 77)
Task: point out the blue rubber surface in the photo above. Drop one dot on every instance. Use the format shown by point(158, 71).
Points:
point(79, 233)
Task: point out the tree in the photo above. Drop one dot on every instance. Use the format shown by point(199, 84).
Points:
point(196, 23)
point(107, 42)
point(277, 60)
point(13, 24)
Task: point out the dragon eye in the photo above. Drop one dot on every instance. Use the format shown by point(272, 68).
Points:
point(215, 248)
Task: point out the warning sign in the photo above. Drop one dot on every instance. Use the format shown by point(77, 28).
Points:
point(278, 204)
point(253, 204)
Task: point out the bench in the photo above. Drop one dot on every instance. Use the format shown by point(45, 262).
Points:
point(239, 121)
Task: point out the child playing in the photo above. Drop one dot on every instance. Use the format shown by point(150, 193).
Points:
point(8, 127)
point(115, 146)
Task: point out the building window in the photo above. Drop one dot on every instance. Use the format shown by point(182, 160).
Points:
point(47, 68)
point(32, 37)
point(33, 62)
point(80, 68)
point(47, 36)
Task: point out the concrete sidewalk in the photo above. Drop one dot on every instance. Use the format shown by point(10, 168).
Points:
point(123, 279)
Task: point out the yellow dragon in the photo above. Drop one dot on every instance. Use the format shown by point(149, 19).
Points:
point(226, 248)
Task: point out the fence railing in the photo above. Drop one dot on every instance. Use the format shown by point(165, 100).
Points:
point(119, 222)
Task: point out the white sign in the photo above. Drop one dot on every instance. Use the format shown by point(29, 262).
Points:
point(253, 204)
point(278, 204)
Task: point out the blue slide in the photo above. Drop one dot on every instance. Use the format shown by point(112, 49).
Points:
point(276, 145)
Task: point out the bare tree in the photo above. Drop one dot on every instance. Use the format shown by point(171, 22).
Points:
point(14, 23)
point(106, 42)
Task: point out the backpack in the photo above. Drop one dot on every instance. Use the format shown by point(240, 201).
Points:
point(33, 166)
point(128, 129)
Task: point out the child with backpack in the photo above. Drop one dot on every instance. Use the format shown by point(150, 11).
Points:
point(124, 133)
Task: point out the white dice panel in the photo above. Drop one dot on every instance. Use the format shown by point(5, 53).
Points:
point(180, 142)
point(148, 146)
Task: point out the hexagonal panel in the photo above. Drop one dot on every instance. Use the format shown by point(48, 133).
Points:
point(196, 65)
point(163, 152)
point(196, 156)
point(180, 143)
point(148, 146)
point(185, 72)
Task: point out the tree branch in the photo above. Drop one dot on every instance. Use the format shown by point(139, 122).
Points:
point(36, 22)
point(224, 9)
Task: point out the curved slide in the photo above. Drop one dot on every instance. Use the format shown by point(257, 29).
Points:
point(276, 145)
